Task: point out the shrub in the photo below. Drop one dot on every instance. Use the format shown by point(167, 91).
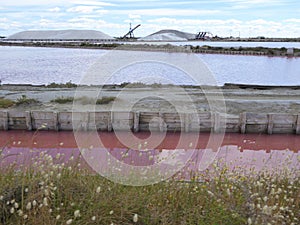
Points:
point(6, 103)
point(105, 100)
point(63, 100)
point(66, 85)
point(26, 101)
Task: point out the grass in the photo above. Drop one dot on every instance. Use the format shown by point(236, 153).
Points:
point(26, 101)
point(52, 192)
point(63, 100)
point(105, 100)
point(6, 103)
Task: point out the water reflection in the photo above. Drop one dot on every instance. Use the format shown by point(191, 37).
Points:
point(260, 152)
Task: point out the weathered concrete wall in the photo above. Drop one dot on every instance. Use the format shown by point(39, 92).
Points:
point(154, 121)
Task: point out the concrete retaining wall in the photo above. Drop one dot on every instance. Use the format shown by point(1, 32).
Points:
point(154, 121)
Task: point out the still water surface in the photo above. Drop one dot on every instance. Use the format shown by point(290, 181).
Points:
point(248, 151)
point(23, 65)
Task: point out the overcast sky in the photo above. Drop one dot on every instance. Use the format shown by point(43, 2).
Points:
point(270, 18)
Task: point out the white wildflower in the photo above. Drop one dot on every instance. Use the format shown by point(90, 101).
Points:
point(98, 190)
point(111, 212)
point(228, 192)
point(58, 176)
point(45, 202)
point(34, 203)
point(93, 218)
point(210, 193)
point(69, 221)
point(135, 218)
point(20, 212)
point(1, 198)
point(77, 213)
point(16, 205)
point(265, 198)
point(249, 221)
point(57, 217)
point(25, 217)
point(26, 190)
point(46, 192)
point(12, 210)
point(28, 206)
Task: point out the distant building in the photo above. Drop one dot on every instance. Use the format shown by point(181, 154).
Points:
point(290, 51)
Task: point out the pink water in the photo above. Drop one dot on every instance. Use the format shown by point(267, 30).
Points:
point(249, 150)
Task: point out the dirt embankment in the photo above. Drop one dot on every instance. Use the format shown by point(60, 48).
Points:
point(237, 99)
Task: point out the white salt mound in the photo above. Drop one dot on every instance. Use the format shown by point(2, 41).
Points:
point(169, 35)
point(60, 34)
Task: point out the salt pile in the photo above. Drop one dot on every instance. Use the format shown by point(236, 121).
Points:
point(169, 35)
point(61, 34)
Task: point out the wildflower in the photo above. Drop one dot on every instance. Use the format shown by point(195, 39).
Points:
point(135, 218)
point(26, 190)
point(111, 212)
point(249, 221)
point(45, 202)
point(228, 192)
point(46, 192)
point(25, 217)
point(98, 190)
point(265, 198)
point(57, 217)
point(16, 205)
point(28, 206)
point(34, 203)
point(77, 213)
point(93, 218)
point(1, 198)
point(20, 212)
point(210, 193)
point(58, 176)
point(69, 221)
point(12, 210)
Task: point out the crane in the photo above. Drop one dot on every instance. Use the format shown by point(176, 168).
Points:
point(130, 33)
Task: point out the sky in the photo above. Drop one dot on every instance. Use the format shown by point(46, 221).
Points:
point(224, 18)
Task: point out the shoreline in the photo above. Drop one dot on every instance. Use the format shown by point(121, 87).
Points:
point(255, 51)
point(248, 108)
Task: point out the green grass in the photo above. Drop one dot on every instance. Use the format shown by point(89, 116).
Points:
point(6, 103)
point(63, 100)
point(26, 101)
point(105, 100)
point(226, 197)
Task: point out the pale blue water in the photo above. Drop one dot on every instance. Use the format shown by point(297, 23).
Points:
point(231, 44)
point(20, 65)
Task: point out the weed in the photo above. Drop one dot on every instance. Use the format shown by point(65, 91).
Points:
point(6, 103)
point(63, 100)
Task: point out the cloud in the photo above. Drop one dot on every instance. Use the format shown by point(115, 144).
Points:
point(93, 3)
point(244, 4)
point(56, 9)
point(82, 9)
point(134, 16)
point(167, 12)
point(292, 21)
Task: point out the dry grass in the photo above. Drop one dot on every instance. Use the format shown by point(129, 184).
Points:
point(52, 192)
point(6, 103)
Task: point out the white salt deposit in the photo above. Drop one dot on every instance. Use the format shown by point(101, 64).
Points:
point(61, 34)
point(169, 35)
